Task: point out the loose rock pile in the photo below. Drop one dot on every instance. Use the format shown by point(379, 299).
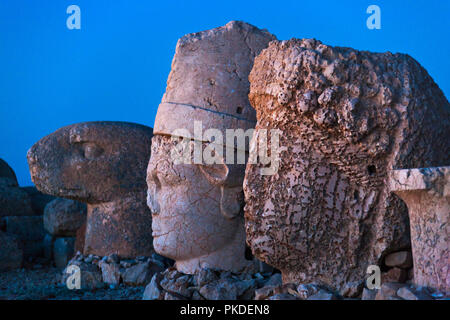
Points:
point(111, 271)
point(402, 291)
point(400, 267)
point(207, 284)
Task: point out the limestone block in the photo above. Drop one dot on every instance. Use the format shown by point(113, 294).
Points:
point(426, 192)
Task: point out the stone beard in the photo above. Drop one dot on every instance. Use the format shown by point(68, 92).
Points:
point(197, 211)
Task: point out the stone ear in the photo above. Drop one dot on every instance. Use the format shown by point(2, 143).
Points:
point(231, 197)
point(231, 201)
point(216, 174)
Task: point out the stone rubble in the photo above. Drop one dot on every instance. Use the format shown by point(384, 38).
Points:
point(112, 271)
point(402, 291)
point(207, 284)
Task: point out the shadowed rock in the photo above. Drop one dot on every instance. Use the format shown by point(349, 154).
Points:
point(7, 172)
point(346, 118)
point(63, 217)
point(38, 199)
point(13, 200)
point(102, 164)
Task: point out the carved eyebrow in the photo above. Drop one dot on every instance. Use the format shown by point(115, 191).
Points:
point(77, 138)
point(79, 135)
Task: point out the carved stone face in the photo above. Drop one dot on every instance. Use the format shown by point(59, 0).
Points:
point(196, 211)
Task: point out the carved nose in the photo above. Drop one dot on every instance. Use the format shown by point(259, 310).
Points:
point(32, 158)
point(152, 201)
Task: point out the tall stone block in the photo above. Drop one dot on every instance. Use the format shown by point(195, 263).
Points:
point(426, 192)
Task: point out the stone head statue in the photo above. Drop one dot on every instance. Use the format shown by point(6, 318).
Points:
point(197, 206)
point(102, 164)
point(347, 117)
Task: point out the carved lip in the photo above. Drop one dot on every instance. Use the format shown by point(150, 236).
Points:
point(156, 234)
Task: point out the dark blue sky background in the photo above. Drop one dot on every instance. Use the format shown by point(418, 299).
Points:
point(116, 66)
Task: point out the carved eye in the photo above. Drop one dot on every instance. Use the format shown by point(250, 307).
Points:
point(92, 151)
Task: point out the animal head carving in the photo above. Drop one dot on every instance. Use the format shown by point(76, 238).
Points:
point(92, 161)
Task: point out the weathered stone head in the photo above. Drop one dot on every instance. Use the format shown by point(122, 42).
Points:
point(346, 117)
point(102, 164)
point(198, 207)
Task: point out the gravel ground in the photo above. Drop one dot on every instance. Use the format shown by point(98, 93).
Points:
point(43, 283)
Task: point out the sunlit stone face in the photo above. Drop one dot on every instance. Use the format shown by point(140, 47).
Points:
point(188, 223)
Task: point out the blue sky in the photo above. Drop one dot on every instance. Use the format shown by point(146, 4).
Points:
point(116, 66)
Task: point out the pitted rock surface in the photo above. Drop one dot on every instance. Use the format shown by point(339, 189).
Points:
point(346, 117)
point(102, 164)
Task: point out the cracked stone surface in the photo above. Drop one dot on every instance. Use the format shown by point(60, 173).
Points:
point(102, 164)
point(346, 117)
point(197, 208)
point(426, 192)
point(112, 270)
